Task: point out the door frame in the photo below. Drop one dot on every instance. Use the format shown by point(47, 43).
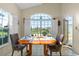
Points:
point(72, 28)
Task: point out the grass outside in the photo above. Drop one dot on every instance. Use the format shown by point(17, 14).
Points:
point(3, 33)
point(3, 37)
point(38, 30)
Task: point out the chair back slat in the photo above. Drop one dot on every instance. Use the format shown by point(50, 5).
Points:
point(16, 37)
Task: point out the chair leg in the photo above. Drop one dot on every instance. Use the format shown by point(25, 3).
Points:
point(60, 53)
point(50, 53)
point(12, 52)
point(21, 52)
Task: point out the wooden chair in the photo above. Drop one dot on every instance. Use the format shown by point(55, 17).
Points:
point(57, 47)
point(15, 44)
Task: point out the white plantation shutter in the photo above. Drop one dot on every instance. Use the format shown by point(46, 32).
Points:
point(27, 27)
point(13, 24)
point(55, 28)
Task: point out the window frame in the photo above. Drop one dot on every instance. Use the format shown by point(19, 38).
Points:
point(6, 13)
point(43, 23)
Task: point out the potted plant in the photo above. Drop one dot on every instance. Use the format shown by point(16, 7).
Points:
point(45, 32)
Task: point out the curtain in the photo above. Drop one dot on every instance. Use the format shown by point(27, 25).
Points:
point(27, 27)
point(55, 28)
point(13, 24)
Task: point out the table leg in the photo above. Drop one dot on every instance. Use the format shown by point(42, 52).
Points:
point(29, 51)
point(45, 50)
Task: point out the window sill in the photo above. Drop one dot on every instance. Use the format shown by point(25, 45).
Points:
point(4, 45)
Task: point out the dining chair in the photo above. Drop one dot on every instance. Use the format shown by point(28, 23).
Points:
point(15, 44)
point(56, 47)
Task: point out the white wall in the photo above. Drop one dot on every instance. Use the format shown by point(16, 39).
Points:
point(73, 10)
point(10, 7)
point(52, 9)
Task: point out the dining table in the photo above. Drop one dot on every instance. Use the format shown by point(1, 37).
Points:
point(37, 40)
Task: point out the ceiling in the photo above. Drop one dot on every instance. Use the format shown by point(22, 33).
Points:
point(23, 6)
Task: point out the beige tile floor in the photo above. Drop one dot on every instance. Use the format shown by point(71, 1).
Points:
point(38, 51)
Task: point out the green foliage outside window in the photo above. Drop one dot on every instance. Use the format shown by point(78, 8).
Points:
point(45, 32)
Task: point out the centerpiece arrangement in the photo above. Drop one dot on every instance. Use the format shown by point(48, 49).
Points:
point(45, 32)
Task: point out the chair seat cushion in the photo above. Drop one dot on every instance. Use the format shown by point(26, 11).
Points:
point(19, 47)
point(55, 47)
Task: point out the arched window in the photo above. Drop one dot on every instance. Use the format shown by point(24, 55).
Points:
point(40, 23)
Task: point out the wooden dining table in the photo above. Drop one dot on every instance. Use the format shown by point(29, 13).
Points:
point(35, 40)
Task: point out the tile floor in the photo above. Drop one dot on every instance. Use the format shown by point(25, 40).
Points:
point(38, 51)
